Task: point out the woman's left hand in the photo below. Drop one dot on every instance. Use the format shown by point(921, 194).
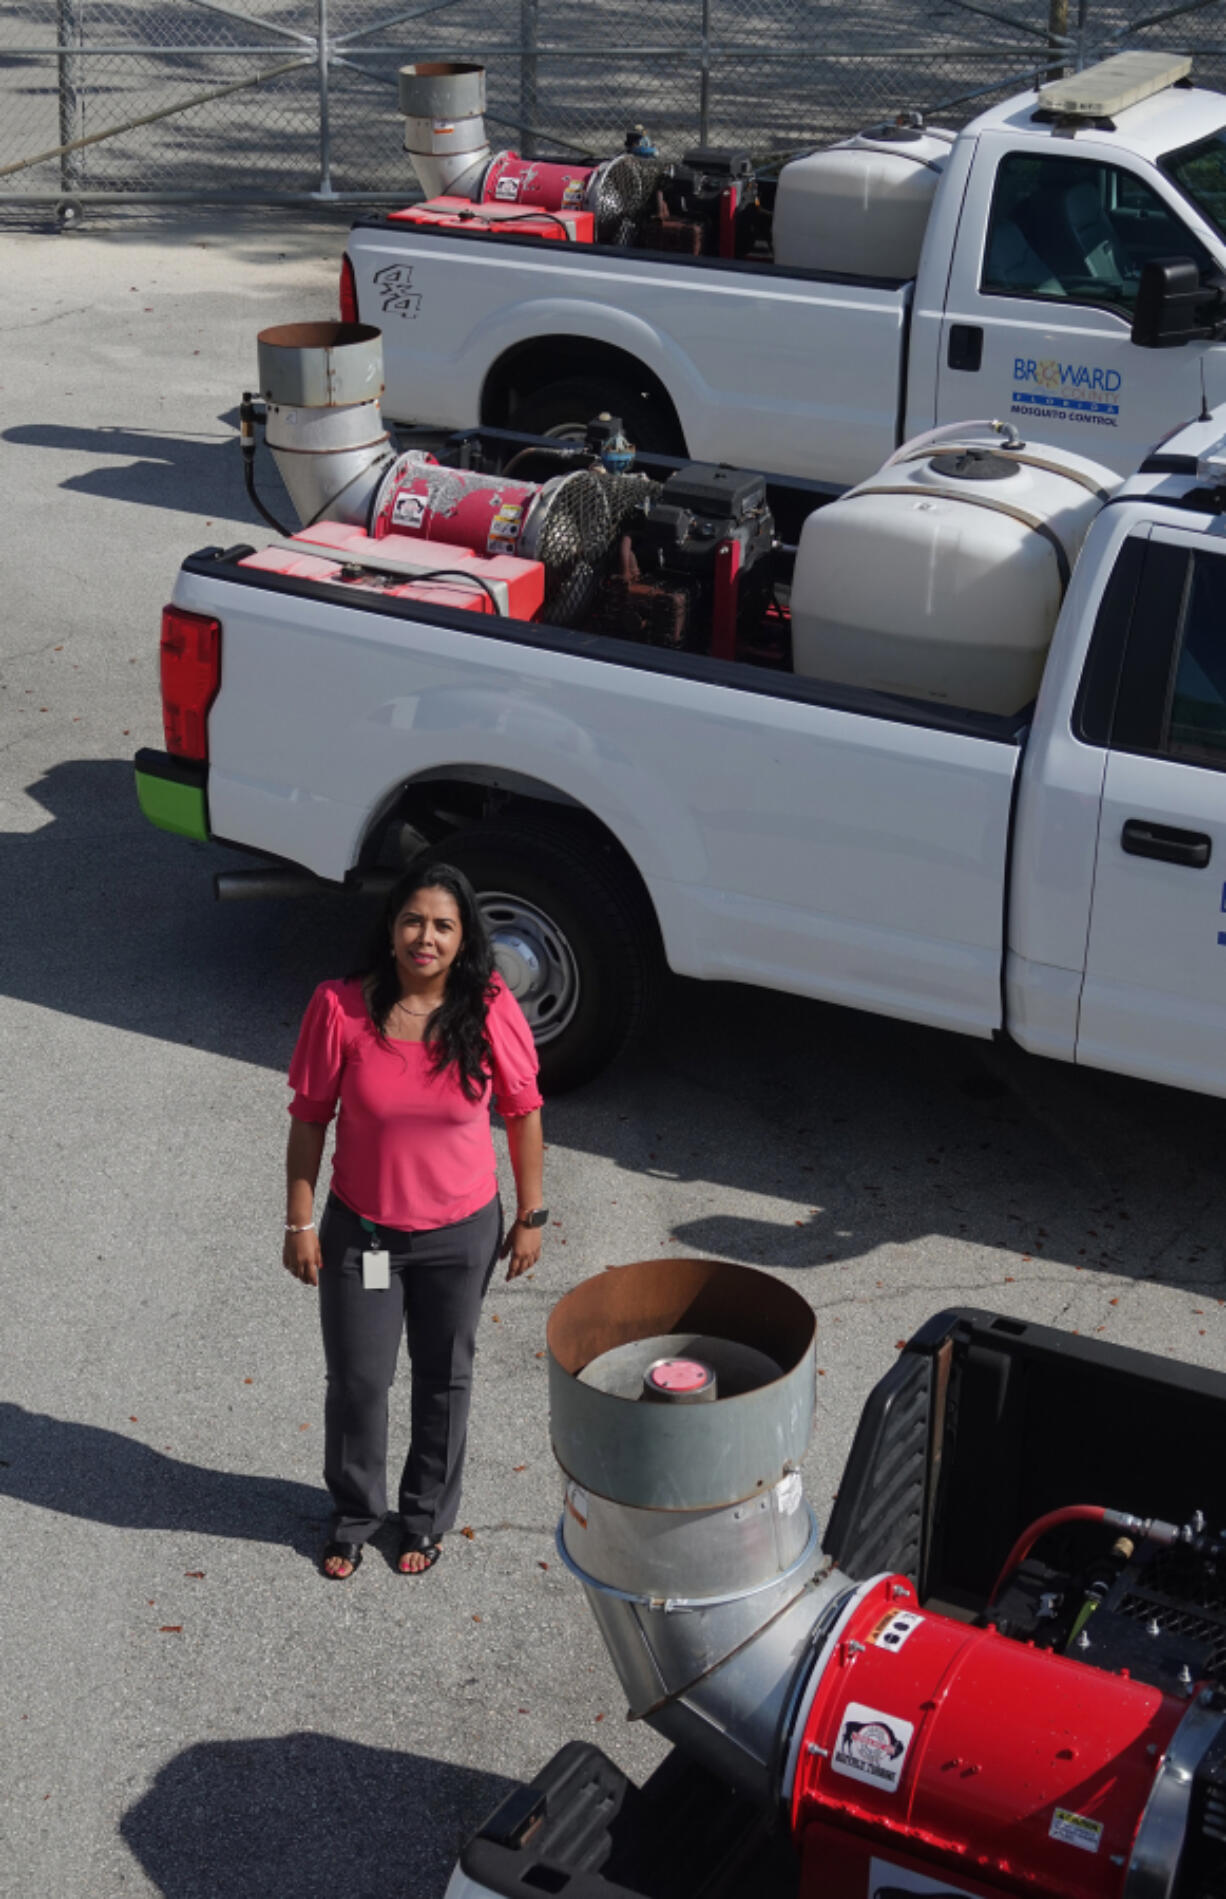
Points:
point(523, 1244)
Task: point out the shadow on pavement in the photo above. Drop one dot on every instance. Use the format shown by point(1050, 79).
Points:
point(306, 1815)
point(189, 474)
point(82, 1470)
point(871, 1132)
point(114, 921)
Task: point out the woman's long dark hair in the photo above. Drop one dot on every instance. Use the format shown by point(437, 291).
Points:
point(456, 1032)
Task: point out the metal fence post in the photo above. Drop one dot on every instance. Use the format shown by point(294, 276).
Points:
point(1057, 36)
point(704, 82)
point(68, 35)
point(325, 126)
point(529, 74)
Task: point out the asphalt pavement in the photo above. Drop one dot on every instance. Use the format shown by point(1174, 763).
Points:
point(188, 1709)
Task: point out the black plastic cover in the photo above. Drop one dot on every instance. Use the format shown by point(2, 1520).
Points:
point(1006, 1421)
point(718, 161)
point(716, 492)
point(593, 1834)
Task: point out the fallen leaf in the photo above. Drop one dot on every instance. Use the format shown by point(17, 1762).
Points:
point(521, 1711)
point(1113, 1302)
point(600, 1717)
point(541, 1565)
point(469, 1533)
point(476, 1618)
point(495, 1318)
point(519, 1467)
point(197, 1575)
point(821, 1371)
point(900, 1345)
point(133, 1420)
point(304, 1427)
point(171, 1628)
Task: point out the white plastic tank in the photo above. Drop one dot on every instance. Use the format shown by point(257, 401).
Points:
point(861, 206)
point(941, 576)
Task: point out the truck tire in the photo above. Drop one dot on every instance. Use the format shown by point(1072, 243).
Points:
point(574, 940)
point(563, 410)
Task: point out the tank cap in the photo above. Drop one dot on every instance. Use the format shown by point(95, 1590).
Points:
point(974, 464)
point(679, 1381)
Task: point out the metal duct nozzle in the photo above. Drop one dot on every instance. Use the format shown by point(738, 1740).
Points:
point(321, 383)
point(444, 122)
point(687, 1523)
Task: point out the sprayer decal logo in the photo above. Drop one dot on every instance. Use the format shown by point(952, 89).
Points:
point(872, 1746)
point(394, 289)
point(408, 510)
point(1069, 392)
point(507, 190)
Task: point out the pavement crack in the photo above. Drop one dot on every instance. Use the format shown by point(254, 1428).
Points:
point(56, 316)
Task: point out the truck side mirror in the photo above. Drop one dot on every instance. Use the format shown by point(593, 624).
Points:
point(1176, 305)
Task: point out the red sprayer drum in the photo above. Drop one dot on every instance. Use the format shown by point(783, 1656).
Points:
point(511, 179)
point(935, 1752)
point(422, 498)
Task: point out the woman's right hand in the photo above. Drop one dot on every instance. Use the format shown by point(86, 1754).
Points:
point(301, 1256)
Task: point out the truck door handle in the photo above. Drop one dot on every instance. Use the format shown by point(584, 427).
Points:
point(965, 346)
point(1142, 839)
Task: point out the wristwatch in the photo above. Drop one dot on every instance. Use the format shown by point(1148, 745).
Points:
point(535, 1216)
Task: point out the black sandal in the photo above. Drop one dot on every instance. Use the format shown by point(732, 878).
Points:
point(413, 1543)
point(350, 1553)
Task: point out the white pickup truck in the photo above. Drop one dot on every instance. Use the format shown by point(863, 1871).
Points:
point(883, 287)
point(622, 783)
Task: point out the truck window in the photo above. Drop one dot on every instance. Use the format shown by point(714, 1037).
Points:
point(1077, 230)
point(1200, 173)
point(1195, 724)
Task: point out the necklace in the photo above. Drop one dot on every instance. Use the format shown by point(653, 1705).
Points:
point(418, 1012)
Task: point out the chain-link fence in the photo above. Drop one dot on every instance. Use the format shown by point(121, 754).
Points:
point(296, 99)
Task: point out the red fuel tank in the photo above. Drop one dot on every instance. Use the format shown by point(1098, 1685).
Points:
point(949, 1754)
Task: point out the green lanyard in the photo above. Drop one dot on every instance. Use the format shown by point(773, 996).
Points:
point(372, 1233)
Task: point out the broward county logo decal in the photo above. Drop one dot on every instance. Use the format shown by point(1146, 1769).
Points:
point(1069, 392)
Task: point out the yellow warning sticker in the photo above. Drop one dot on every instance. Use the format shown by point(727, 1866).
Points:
point(1076, 1829)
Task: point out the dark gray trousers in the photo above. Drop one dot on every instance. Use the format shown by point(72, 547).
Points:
point(438, 1280)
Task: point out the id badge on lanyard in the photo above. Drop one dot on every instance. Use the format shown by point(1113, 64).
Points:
point(376, 1261)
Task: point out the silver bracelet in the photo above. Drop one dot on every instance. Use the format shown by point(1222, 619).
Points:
point(308, 1228)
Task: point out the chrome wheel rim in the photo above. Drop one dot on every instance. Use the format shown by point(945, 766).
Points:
point(535, 960)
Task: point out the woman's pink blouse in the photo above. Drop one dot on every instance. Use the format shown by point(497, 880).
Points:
point(412, 1152)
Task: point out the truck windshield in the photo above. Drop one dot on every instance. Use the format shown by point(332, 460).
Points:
point(1200, 172)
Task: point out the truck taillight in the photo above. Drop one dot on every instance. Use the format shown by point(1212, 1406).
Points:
point(191, 675)
point(348, 292)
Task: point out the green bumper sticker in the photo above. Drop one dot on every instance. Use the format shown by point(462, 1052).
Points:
point(173, 807)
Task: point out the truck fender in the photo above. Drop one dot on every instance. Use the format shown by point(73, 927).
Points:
point(504, 331)
point(530, 743)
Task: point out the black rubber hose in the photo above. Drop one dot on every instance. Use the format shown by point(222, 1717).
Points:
point(246, 421)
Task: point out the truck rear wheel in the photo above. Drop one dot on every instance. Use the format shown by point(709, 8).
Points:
point(574, 940)
point(564, 409)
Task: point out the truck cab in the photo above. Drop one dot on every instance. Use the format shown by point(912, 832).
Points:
point(1030, 308)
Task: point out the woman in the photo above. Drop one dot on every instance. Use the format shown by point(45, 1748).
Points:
point(412, 1050)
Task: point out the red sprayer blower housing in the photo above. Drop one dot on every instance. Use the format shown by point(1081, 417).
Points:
point(1046, 1723)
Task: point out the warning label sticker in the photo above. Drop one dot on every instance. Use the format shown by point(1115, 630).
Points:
point(507, 189)
point(1076, 1829)
point(893, 1630)
point(872, 1746)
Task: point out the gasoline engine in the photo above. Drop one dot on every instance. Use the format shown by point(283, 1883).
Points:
point(681, 563)
point(1057, 1746)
